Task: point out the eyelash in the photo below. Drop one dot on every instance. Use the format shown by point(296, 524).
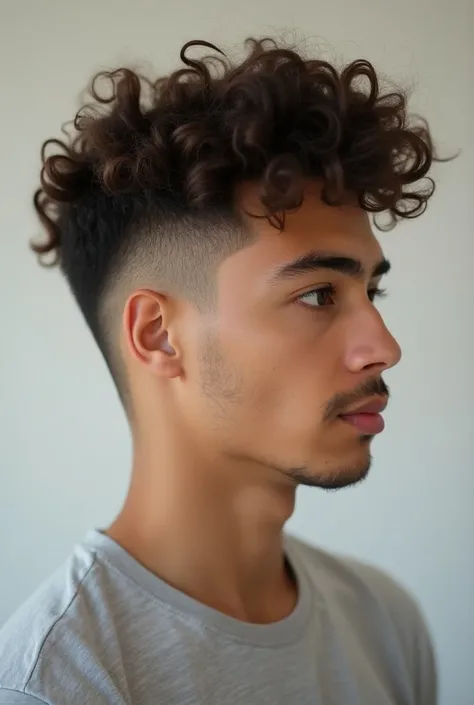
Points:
point(374, 293)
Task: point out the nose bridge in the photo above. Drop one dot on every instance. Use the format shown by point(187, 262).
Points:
point(370, 342)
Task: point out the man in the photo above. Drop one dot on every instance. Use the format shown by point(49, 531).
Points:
point(214, 229)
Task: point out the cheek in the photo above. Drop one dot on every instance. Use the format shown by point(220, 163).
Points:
point(287, 365)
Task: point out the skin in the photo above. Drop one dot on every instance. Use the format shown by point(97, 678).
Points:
point(234, 407)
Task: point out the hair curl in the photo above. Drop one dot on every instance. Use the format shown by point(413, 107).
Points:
point(274, 117)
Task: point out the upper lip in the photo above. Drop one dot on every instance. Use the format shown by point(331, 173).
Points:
point(374, 406)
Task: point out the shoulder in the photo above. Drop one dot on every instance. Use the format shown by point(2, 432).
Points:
point(16, 697)
point(378, 607)
point(349, 579)
point(56, 620)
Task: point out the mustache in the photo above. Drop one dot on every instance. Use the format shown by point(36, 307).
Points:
point(340, 402)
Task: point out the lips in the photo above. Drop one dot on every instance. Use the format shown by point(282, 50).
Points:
point(367, 418)
point(375, 406)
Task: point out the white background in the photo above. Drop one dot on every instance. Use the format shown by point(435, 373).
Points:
point(64, 443)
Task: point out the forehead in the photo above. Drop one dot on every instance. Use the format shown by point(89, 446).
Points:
point(342, 230)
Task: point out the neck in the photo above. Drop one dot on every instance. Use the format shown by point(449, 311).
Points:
point(212, 529)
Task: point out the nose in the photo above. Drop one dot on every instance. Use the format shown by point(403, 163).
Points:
point(370, 345)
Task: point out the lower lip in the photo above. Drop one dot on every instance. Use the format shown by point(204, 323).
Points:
point(369, 424)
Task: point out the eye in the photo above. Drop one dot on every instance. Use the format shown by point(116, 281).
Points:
point(376, 293)
point(319, 298)
point(323, 297)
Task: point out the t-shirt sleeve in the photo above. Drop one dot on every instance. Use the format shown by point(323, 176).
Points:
point(425, 662)
point(413, 633)
point(16, 697)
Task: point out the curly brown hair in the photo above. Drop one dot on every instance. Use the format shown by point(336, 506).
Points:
point(147, 181)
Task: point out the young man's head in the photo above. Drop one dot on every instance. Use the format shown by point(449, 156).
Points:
point(214, 229)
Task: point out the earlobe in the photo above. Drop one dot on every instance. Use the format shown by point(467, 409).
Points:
point(146, 316)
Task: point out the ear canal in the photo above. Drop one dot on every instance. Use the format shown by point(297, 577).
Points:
point(165, 346)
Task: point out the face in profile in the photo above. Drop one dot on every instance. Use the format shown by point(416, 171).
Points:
point(296, 343)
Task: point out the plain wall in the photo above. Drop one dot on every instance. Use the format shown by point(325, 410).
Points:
point(64, 444)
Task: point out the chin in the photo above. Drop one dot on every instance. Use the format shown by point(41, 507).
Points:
point(344, 473)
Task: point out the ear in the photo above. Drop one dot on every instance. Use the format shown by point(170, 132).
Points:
point(145, 320)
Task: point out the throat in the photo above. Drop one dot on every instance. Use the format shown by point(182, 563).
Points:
point(222, 546)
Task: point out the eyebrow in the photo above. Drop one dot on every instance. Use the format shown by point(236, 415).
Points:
point(315, 261)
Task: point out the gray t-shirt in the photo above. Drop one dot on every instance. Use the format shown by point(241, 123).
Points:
point(104, 630)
